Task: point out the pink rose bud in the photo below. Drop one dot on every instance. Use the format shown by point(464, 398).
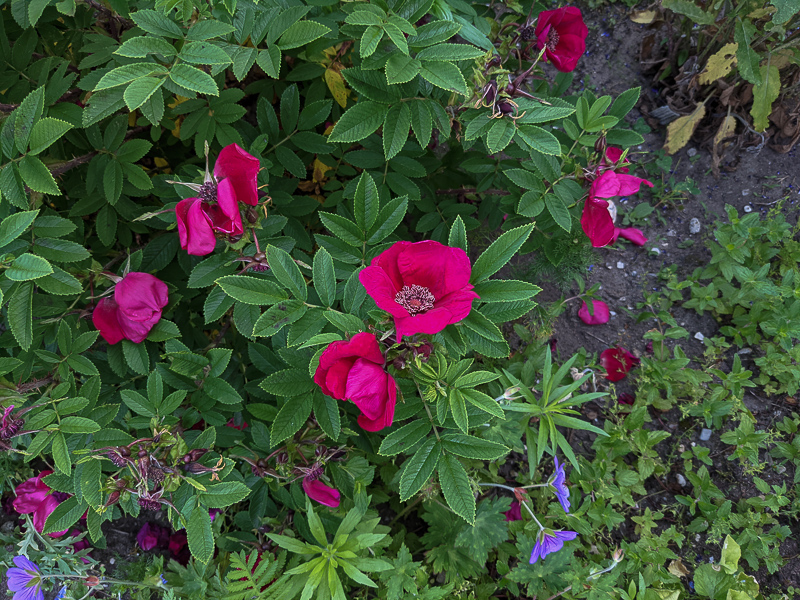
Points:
point(423, 285)
point(353, 370)
point(133, 310)
point(601, 313)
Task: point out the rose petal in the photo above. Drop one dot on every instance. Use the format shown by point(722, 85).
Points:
point(601, 313)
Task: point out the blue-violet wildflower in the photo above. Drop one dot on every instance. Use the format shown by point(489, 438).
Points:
point(549, 541)
point(25, 580)
point(559, 487)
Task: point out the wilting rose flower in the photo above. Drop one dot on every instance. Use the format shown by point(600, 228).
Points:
point(599, 214)
point(617, 362)
point(152, 536)
point(601, 313)
point(133, 310)
point(353, 370)
point(324, 494)
point(35, 497)
point(549, 541)
point(562, 33)
point(216, 209)
point(423, 285)
point(515, 512)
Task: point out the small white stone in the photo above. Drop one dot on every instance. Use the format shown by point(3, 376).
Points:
point(671, 233)
point(691, 152)
point(705, 435)
point(745, 192)
point(655, 251)
point(623, 299)
point(693, 444)
point(694, 225)
point(620, 265)
point(748, 208)
point(112, 560)
point(612, 313)
point(681, 479)
point(780, 469)
point(697, 537)
point(633, 273)
point(699, 336)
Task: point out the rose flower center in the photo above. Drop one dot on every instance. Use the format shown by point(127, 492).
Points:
point(552, 39)
point(415, 299)
point(208, 191)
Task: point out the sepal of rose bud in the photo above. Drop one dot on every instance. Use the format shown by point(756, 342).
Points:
point(618, 555)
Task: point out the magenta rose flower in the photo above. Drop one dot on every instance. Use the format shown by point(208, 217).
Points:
point(562, 33)
point(617, 362)
point(423, 285)
point(133, 310)
point(353, 370)
point(324, 494)
point(611, 160)
point(152, 536)
point(601, 313)
point(35, 497)
point(216, 210)
point(599, 212)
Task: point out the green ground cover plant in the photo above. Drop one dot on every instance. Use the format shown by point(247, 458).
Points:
point(264, 304)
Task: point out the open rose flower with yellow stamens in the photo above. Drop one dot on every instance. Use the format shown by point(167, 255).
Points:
point(423, 285)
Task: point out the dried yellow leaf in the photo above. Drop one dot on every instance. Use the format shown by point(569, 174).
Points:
point(726, 129)
point(720, 64)
point(677, 568)
point(680, 130)
point(644, 17)
point(337, 86)
point(320, 168)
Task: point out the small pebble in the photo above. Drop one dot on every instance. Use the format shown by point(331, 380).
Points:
point(612, 313)
point(112, 560)
point(780, 469)
point(681, 480)
point(691, 152)
point(694, 226)
point(699, 336)
point(705, 435)
point(620, 265)
point(745, 192)
point(655, 251)
point(671, 233)
point(748, 208)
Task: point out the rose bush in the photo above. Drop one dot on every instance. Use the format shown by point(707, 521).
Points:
point(314, 334)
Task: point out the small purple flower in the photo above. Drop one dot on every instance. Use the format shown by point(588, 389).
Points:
point(549, 541)
point(25, 580)
point(559, 487)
